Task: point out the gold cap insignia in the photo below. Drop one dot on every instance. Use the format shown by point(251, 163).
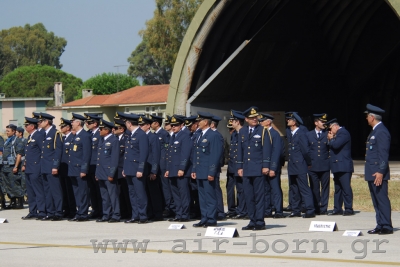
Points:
point(173, 119)
point(101, 122)
point(324, 117)
point(253, 111)
point(140, 119)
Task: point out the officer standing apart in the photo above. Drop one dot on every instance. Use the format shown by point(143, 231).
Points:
point(49, 164)
point(253, 162)
point(273, 189)
point(78, 166)
point(377, 172)
point(107, 165)
point(34, 180)
point(298, 165)
point(206, 161)
point(339, 141)
point(179, 151)
point(136, 154)
point(319, 172)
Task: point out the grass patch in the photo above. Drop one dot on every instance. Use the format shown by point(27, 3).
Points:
point(361, 196)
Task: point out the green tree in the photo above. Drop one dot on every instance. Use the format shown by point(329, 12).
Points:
point(38, 81)
point(162, 39)
point(108, 83)
point(28, 46)
point(143, 65)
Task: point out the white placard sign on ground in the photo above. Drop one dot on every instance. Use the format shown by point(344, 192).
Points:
point(3, 220)
point(176, 227)
point(352, 233)
point(222, 232)
point(323, 226)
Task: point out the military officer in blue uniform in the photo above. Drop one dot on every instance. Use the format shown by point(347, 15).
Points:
point(192, 124)
point(163, 137)
point(92, 123)
point(304, 129)
point(78, 166)
point(49, 165)
point(178, 166)
point(237, 119)
point(206, 162)
point(319, 172)
point(220, 208)
point(298, 165)
point(153, 183)
point(13, 150)
point(69, 204)
point(253, 162)
point(124, 200)
point(34, 180)
point(341, 164)
point(273, 189)
point(136, 155)
point(107, 166)
point(377, 171)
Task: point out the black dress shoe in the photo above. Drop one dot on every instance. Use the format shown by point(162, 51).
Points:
point(333, 213)
point(230, 215)
point(348, 213)
point(174, 220)
point(132, 221)
point(112, 220)
point(288, 208)
point(322, 213)
point(199, 224)
point(29, 217)
point(210, 225)
point(268, 216)
point(279, 216)
point(82, 219)
point(102, 220)
point(73, 219)
point(259, 227)
point(143, 222)
point(374, 231)
point(385, 231)
point(39, 218)
point(294, 215)
point(47, 218)
point(312, 215)
point(57, 218)
point(247, 227)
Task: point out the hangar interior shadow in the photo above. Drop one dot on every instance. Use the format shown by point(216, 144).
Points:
point(311, 56)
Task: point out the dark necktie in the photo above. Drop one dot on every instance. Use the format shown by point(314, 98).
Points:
point(201, 134)
point(319, 135)
point(250, 132)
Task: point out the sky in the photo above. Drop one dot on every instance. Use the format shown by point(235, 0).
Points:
point(100, 34)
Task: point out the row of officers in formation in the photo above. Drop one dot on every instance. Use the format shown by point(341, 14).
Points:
point(136, 170)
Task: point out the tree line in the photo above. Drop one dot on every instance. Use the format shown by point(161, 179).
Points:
point(30, 56)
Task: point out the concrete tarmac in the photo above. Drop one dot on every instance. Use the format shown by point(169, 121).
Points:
point(285, 241)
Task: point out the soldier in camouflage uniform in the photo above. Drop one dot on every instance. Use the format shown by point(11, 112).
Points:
point(2, 200)
point(13, 151)
point(20, 134)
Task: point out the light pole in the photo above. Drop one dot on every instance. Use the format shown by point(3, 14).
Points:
point(117, 66)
